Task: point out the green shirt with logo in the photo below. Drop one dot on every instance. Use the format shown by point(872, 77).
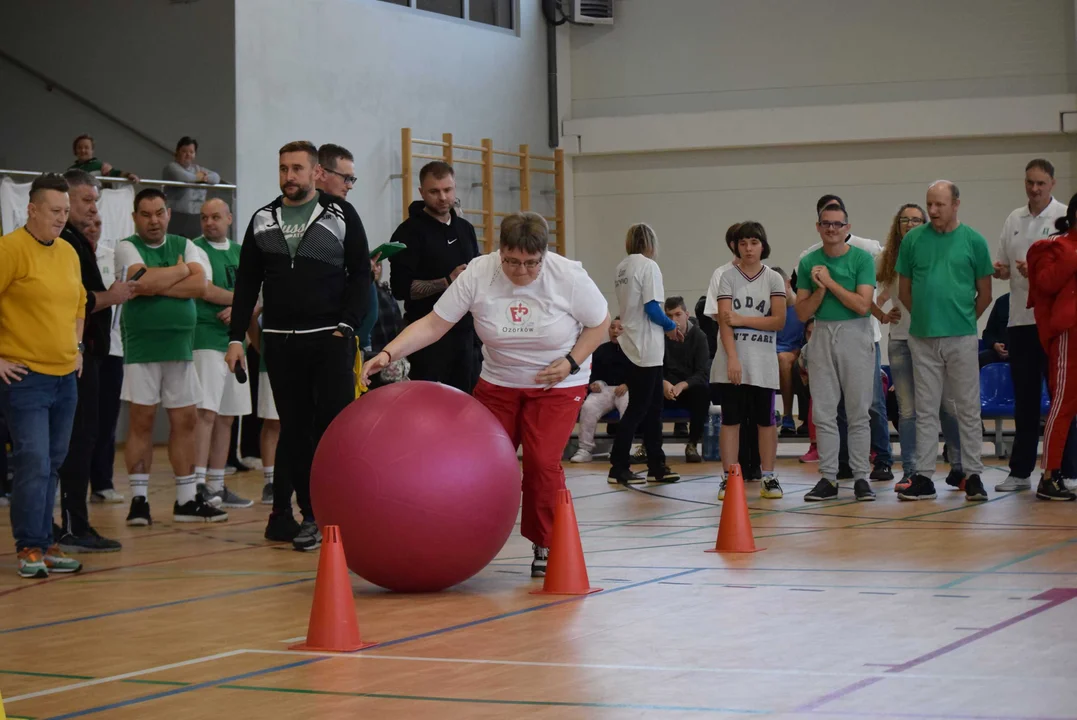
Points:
point(850, 270)
point(209, 332)
point(158, 328)
point(294, 220)
point(944, 268)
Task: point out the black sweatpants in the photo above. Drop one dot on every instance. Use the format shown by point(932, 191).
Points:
point(1028, 367)
point(449, 361)
point(696, 399)
point(75, 472)
point(644, 411)
point(103, 456)
point(313, 379)
point(748, 453)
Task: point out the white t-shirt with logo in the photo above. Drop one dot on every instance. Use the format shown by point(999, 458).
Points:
point(638, 281)
point(524, 329)
point(1021, 229)
point(756, 349)
point(873, 248)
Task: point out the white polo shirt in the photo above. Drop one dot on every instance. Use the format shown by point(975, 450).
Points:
point(1020, 230)
point(873, 248)
point(525, 328)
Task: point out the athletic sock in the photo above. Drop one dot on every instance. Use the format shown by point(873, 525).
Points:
point(185, 489)
point(200, 474)
point(215, 481)
point(140, 484)
point(268, 472)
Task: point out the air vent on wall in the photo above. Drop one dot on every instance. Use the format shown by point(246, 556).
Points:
point(595, 12)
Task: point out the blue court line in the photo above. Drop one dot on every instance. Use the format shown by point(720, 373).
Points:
point(995, 568)
point(141, 608)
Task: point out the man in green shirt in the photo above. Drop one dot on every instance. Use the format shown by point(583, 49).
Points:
point(223, 398)
point(835, 284)
point(945, 281)
point(158, 327)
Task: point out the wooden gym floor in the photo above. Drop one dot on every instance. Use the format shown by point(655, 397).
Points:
point(944, 609)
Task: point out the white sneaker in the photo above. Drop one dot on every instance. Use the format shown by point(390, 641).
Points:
point(582, 456)
point(1011, 484)
point(1071, 484)
point(106, 496)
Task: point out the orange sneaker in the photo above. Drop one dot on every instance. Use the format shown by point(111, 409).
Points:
point(32, 564)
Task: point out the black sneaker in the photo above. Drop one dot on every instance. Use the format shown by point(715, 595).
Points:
point(625, 477)
point(538, 565)
point(1054, 488)
point(881, 473)
point(823, 490)
point(921, 488)
point(863, 491)
point(309, 537)
point(802, 431)
point(691, 453)
point(281, 527)
point(787, 431)
point(974, 488)
point(956, 479)
point(139, 514)
point(88, 542)
point(197, 510)
point(845, 473)
point(639, 457)
point(663, 475)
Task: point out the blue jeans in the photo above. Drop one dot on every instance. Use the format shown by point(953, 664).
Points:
point(904, 388)
point(880, 432)
point(40, 410)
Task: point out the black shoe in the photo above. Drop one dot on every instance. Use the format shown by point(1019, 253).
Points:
point(863, 491)
point(538, 565)
point(787, 431)
point(845, 473)
point(956, 479)
point(197, 510)
point(639, 457)
point(823, 490)
point(1054, 489)
point(691, 453)
point(974, 488)
point(88, 542)
point(921, 489)
point(663, 475)
point(625, 477)
point(309, 537)
point(881, 473)
point(139, 514)
point(802, 431)
point(281, 527)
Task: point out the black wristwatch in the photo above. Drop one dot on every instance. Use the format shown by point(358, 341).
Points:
point(346, 330)
point(575, 368)
point(82, 348)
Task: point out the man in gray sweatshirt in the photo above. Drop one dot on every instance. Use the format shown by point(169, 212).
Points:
point(186, 203)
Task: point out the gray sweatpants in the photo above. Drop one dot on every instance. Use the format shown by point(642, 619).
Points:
point(946, 371)
point(841, 362)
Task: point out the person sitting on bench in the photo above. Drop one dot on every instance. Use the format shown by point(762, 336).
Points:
point(686, 375)
point(608, 390)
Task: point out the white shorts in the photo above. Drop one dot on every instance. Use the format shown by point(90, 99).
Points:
point(222, 393)
point(170, 384)
point(267, 407)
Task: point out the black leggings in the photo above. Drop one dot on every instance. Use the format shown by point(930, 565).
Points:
point(644, 410)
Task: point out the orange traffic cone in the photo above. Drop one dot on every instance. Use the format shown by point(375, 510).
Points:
point(566, 572)
point(735, 528)
point(333, 627)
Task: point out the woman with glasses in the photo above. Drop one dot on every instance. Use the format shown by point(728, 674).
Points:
point(909, 216)
point(539, 316)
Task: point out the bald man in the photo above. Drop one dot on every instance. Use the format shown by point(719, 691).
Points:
point(945, 270)
point(223, 397)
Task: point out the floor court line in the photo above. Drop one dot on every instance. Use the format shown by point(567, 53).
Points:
point(1016, 561)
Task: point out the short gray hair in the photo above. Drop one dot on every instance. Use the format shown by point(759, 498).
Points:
point(525, 231)
point(954, 192)
point(80, 178)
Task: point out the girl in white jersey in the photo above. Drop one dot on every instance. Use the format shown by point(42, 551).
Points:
point(539, 316)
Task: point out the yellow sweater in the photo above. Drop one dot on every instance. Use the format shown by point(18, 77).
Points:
point(41, 295)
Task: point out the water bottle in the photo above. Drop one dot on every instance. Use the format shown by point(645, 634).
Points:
point(711, 451)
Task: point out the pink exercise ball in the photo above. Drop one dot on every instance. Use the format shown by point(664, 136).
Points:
point(423, 482)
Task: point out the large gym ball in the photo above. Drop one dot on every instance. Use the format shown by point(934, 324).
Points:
point(423, 482)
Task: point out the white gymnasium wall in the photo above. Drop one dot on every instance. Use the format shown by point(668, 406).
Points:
point(166, 68)
point(355, 72)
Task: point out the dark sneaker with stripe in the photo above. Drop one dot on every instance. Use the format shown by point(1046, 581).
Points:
point(281, 527)
point(974, 488)
point(956, 479)
point(139, 514)
point(863, 491)
point(664, 475)
point(88, 542)
point(538, 565)
point(823, 490)
point(309, 538)
point(625, 477)
point(197, 510)
point(1054, 489)
point(881, 473)
point(921, 488)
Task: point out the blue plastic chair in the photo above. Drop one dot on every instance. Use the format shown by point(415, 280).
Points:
point(996, 391)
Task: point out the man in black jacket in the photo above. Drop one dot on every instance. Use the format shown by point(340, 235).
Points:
point(440, 245)
point(686, 375)
point(77, 535)
point(307, 251)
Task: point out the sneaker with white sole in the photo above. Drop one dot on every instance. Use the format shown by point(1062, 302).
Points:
point(625, 477)
point(1013, 484)
point(139, 515)
point(267, 494)
point(538, 565)
point(208, 496)
point(309, 537)
point(106, 496)
point(32, 564)
point(58, 562)
point(197, 510)
point(582, 456)
point(771, 489)
point(229, 499)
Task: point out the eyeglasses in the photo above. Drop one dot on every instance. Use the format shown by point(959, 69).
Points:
point(831, 224)
point(516, 264)
point(348, 179)
point(911, 221)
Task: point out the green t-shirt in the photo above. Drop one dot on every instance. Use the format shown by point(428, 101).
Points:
point(209, 332)
point(158, 328)
point(293, 222)
point(93, 166)
point(850, 270)
point(944, 268)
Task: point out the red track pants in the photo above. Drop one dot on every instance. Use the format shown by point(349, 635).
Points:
point(542, 420)
point(1062, 385)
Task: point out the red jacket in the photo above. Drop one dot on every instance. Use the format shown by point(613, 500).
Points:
point(1052, 280)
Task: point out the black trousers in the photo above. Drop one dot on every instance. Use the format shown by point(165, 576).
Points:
point(103, 455)
point(1028, 367)
point(748, 452)
point(696, 400)
point(75, 472)
point(313, 379)
point(449, 361)
point(644, 411)
point(250, 426)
